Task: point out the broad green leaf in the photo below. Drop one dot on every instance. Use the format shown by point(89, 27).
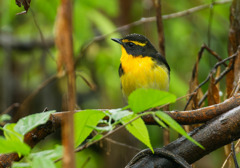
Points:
point(20, 165)
point(10, 133)
point(84, 123)
point(144, 99)
point(5, 117)
point(173, 124)
point(40, 162)
point(138, 129)
point(10, 146)
point(50, 154)
point(26, 124)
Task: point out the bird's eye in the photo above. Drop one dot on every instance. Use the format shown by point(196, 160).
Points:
point(130, 44)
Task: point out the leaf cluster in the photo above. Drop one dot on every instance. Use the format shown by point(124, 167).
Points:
point(88, 121)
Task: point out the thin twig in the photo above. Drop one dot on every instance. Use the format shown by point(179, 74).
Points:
point(92, 86)
point(226, 160)
point(122, 144)
point(14, 105)
point(86, 161)
point(106, 135)
point(41, 35)
point(147, 20)
point(209, 75)
point(214, 54)
point(234, 155)
point(228, 69)
point(195, 70)
point(36, 91)
point(238, 86)
point(27, 100)
point(194, 9)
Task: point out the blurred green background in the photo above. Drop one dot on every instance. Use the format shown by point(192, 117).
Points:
point(28, 58)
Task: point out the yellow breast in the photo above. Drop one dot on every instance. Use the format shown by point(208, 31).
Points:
point(142, 72)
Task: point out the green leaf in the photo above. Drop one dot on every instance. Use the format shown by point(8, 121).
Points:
point(174, 125)
point(11, 134)
point(10, 146)
point(144, 99)
point(40, 162)
point(84, 123)
point(96, 137)
point(50, 154)
point(102, 129)
point(118, 114)
point(20, 165)
point(159, 122)
point(138, 129)
point(5, 117)
point(26, 124)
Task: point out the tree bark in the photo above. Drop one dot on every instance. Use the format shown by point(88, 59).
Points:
point(213, 135)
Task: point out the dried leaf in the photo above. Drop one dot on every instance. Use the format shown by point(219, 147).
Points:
point(218, 72)
point(25, 3)
point(193, 104)
point(213, 93)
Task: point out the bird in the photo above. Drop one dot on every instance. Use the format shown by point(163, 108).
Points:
point(141, 65)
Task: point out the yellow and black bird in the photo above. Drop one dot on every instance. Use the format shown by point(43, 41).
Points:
point(141, 65)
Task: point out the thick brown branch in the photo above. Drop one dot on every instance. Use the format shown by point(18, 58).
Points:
point(213, 135)
point(183, 117)
point(200, 115)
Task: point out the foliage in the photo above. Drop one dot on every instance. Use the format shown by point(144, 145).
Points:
point(28, 123)
point(86, 121)
point(4, 117)
point(23, 70)
point(10, 146)
point(144, 99)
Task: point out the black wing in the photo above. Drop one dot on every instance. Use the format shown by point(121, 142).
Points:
point(161, 60)
point(120, 70)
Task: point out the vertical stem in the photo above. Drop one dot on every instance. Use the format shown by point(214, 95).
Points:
point(234, 42)
point(210, 19)
point(161, 44)
point(161, 41)
point(125, 7)
point(64, 44)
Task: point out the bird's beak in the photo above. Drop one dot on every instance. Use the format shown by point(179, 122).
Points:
point(117, 40)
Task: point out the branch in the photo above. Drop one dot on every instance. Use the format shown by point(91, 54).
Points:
point(182, 117)
point(147, 20)
point(213, 70)
point(200, 115)
point(64, 44)
point(213, 135)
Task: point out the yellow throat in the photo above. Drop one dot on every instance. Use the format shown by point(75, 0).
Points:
point(142, 72)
